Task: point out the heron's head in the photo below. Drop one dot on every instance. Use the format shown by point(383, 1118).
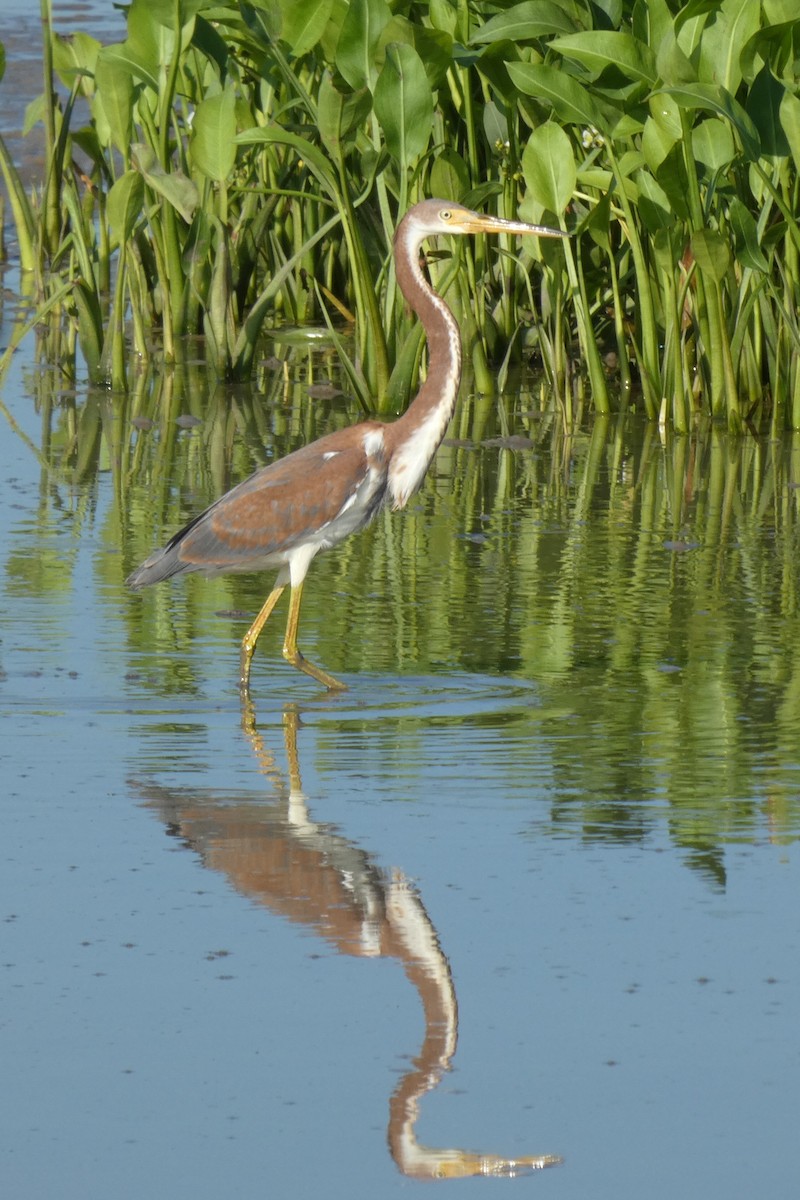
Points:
point(432, 217)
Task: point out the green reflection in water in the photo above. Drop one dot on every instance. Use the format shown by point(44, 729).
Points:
point(647, 585)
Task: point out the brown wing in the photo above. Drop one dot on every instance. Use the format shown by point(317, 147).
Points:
point(273, 511)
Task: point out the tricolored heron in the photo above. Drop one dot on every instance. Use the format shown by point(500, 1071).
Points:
point(290, 510)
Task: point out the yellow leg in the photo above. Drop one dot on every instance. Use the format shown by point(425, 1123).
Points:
point(293, 655)
point(251, 637)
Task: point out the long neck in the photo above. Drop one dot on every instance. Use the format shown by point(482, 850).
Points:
point(414, 439)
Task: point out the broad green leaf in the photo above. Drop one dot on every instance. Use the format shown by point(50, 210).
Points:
point(304, 23)
point(359, 40)
point(654, 205)
point(90, 325)
point(339, 114)
point(665, 112)
point(436, 51)
point(34, 113)
point(124, 57)
point(672, 63)
point(114, 92)
point(164, 11)
point(763, 106)
point(711, 253)
point(495, 126)
point(449, 177)
point(779, 11)
point(708, 97)
point(790, 123)
point(175, 188)
point(656, 143)
point(213, 148)
point(713, 144)
point(75, 57)
point(524, 22)
point(571, 101)
point(152, 34)
point(443, 16)
point(671, 176)
point(404, 104)
point(315, 160)
point(208, 41)
point(548, 166)
point(651, 21)
point(745, 231)
point(124, 206)
point(724, 39)
point(598, 223)
point(598, 50)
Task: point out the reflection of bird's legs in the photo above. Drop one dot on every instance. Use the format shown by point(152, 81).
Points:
point(251, 637)
point(291, 652)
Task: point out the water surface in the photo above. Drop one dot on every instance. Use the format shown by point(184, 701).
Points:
point(527, 888)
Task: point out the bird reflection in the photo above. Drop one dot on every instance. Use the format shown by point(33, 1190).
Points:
point(278, 856)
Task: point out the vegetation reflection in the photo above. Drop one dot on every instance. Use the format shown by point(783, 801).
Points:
point(647, 583)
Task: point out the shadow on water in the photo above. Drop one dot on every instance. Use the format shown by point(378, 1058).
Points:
point(276, 854)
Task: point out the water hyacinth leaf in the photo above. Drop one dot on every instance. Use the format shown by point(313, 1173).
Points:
point(711, 253)
point(449, 175)
point(598, 50)
point(304, 23)
point(745, 230)
point(524, 22)
point(571, 101)
point(175, 188)
point(124, 206)
point(359, 40)
point(713, 144)
point(213, 147)
point(114, 93)
point(548, 166)
point(404, 104)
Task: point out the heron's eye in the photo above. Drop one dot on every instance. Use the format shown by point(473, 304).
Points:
point(446, 215)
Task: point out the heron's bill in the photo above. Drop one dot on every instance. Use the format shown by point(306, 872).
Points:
point(481, 223)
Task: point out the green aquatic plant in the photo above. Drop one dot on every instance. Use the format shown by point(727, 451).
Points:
point(245, 162)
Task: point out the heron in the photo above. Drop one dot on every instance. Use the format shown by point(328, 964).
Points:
point(292, 509)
